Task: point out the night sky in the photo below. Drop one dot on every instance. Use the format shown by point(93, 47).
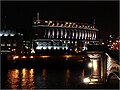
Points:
point(19, 14)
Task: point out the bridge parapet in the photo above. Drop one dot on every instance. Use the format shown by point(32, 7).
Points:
point(112, 65)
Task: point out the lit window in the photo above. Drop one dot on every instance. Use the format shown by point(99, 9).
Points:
point(14, 44)
point(8, 44)
point(2, 44)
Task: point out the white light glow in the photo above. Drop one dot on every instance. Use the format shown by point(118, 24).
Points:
point(66, 48)
point(49, 47)
point(102, 43)
point(95, 65)
point(0, 34)
point(38, 47)
point(5, 34)
point(90, 65)
point(55, 48)
point(58, 48)
point(86, 80)
point(44, 48)
point(11, 34)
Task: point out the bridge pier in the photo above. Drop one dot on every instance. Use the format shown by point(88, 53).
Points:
point(99, 66)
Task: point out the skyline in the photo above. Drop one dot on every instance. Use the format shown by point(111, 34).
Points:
point(20, 14)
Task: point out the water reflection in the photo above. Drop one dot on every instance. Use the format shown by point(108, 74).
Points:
point(17, 79)
point(44, 74)
point(67, 77)
point(13, 78)
point(43, 78)
point(27, 79)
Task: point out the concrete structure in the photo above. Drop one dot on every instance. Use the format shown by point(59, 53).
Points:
point(99, 66)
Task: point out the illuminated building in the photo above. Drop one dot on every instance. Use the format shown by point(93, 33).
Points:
point(62, 35)
point(11, 42)
point(113, 42)
point(116, 44)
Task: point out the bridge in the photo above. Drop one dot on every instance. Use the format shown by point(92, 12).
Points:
point(103, 68)
point(113, 68)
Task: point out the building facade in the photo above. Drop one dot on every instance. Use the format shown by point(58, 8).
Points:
point(11, 42)
point(62, 35)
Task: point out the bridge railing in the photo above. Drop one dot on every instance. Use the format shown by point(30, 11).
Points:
point(112, 65)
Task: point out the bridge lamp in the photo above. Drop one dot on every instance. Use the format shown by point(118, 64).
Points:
point(90, 64)
point(86, 80)
point(15, 57)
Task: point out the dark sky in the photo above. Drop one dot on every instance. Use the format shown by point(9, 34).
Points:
point(19, 14)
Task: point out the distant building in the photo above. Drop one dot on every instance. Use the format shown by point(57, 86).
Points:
point(110, 40)
point(116, 44)
point(62, 35)
point(11, 42)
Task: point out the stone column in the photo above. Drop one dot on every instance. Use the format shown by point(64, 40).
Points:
point(98, 72)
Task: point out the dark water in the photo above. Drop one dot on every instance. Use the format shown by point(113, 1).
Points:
point(51, 75)
point(35, 78)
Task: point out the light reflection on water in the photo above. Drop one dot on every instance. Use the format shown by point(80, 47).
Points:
point(43, 78)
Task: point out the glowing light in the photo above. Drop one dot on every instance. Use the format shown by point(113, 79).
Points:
point(67, 56)
point(110, 41)
point(31, 56)
point(15, 57)
point(46, 21)
point(50, 22)
point(23, 56)
point(11, 34)
point(90, 65)
point(0, 34)
point(45, 56)
point(75, 41)
point(5, 34)
point(86, 80)
point(66, 48)
point(23, 72)
point(66, 22)
point(34, 22)
point(58, 48)
point(94, 80)
point(31, 72)
point(38, 48)
point(55, 48)
point(117, 41)
point(32, 50)
point(102, 43)
point(49, 47)
point(38, 21)
point(95, 65)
